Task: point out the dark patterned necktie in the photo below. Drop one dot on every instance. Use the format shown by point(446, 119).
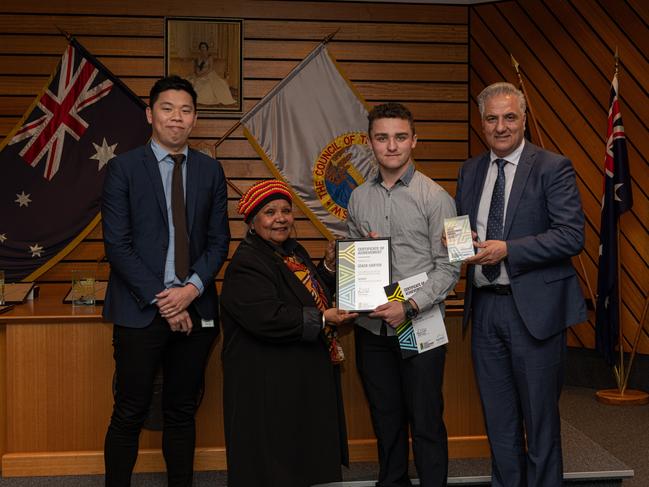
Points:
point(181, 241)
point(495, 219)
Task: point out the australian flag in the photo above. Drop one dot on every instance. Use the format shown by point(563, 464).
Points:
point(52, 164)
point(617, 199)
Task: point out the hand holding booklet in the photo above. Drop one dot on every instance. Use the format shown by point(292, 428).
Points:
point(424, 332)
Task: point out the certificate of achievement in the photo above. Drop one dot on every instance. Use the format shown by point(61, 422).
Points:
point(427, 330)
point(362, 270)
point(458, 238)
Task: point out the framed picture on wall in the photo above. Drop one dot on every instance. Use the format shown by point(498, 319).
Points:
point(209, 53)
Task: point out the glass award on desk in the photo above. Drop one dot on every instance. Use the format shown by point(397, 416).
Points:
point(362, 270)
point(459, 240)
point(83, 288)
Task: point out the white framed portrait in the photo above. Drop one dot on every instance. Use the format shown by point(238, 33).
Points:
point(209, 53)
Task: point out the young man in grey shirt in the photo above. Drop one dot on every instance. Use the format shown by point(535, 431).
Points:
point(407, 206)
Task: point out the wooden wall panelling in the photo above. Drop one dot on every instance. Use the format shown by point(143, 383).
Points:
point(357, 31)
point(634, 115)
point(131, 26)
point(588, 115)
point(630, 39)
point(640, 8)
point(633, 91)
point(358, 51)
point(555, 116)
point(97, 45)
point(626, 19)
point(251, 9)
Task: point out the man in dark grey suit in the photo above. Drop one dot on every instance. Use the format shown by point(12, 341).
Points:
point(522, 291)
point(166, 234)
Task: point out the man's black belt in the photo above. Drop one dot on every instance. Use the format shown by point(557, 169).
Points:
point(501, 289)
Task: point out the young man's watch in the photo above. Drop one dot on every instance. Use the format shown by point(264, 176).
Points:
point(409, 310)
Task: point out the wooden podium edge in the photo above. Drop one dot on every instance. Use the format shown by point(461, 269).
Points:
point(207, 458)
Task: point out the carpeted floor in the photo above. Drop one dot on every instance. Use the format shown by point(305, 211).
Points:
point(595, 434)
point(621, 430)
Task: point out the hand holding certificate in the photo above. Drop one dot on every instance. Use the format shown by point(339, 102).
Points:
point(363, 269)
point(459, 240)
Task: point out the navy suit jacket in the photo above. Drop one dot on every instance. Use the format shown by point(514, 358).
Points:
point(136, 233)
point(544, 228)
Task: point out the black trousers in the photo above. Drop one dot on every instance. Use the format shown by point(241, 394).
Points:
point(404, 393)
point(138, 353)
point(520, 380)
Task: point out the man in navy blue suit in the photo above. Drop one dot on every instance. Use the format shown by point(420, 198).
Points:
point(522, 291)
point(166, 235)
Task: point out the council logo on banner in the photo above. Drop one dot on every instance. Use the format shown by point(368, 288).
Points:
point(336, 171)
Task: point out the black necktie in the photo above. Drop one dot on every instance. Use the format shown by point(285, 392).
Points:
point(181, 241)
point(495, 219)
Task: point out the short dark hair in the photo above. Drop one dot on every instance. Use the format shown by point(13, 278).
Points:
point(172, 82)
point(390, 110)
point(203, 43)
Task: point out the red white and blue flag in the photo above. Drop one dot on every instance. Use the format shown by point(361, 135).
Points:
point(52, 164)
point(616, 199)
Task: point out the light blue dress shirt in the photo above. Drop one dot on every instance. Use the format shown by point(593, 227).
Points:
point(166, 167)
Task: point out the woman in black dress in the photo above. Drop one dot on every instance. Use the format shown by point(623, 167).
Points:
point(283, 414)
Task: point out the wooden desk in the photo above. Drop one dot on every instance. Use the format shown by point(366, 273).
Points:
point(55, 392)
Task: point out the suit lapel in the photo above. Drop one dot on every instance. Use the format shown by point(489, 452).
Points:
point(476, 193)
point(191, 191)
point(151, 165)
point(523, 170)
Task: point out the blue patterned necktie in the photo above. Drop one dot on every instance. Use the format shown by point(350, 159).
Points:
point(495, 220)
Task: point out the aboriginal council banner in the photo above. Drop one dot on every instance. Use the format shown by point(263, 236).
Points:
point(311, 131)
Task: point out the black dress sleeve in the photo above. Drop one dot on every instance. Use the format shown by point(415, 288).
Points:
point(253, 296)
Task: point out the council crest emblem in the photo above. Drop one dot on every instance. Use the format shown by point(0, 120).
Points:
point(339, 169)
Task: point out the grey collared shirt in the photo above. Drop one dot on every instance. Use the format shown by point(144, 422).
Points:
point(166, 167)
point(412, 214)
point(485, 202)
